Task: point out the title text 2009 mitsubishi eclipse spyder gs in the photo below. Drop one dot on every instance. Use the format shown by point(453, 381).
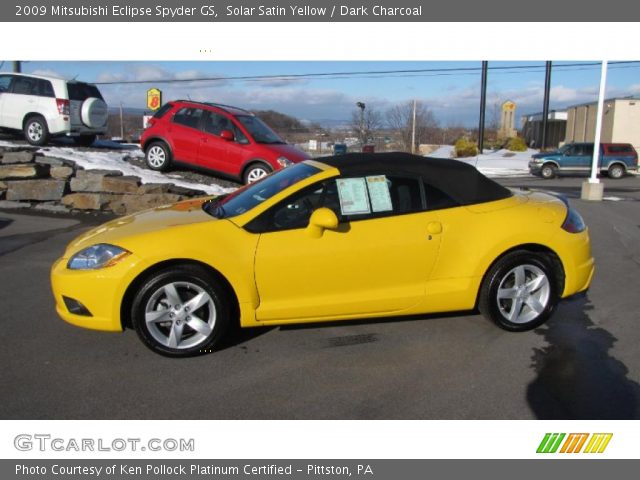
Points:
point(347, 237)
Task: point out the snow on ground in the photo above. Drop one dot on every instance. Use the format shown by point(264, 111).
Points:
point(499, 163)
point(115, 160)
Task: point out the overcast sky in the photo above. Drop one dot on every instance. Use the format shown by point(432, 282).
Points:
point(452, 96)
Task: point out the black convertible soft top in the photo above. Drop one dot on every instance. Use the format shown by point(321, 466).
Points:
point(461, 181)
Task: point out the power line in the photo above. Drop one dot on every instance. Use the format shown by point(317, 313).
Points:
point(367, 74)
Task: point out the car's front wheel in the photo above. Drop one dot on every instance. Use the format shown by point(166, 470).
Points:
point(548, 171)
point(36, 131)
point(181, 311)
point(520, 291)
point(255, 172)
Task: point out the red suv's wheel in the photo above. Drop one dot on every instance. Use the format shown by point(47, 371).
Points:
point(158, 156)
point(255, 172)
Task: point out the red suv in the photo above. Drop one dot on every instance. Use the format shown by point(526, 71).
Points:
point(225, 139)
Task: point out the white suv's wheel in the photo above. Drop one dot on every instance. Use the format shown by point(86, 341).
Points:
point(36, 131)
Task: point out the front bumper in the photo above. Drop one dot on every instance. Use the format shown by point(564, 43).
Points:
point(535, 167)
point(99, 291)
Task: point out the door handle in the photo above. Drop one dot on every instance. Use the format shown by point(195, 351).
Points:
point(434, 228)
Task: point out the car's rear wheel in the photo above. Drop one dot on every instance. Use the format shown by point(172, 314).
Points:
point(548, 171)
point(255, 172)
point(158, 156)
point(85, 140)
point(520, 291)
point(36, 131)
point(616, 171)
point(181, 311)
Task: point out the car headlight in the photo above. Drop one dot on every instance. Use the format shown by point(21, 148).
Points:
point(536, 160)
point(97, 256)
point(284, 162)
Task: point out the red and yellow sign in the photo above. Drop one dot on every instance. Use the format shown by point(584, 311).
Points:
point(154, 99)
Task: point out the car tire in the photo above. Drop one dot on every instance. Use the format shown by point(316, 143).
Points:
point(85, 140)
point(255, 172)
point(548, 171)
point(520, 291)
point(181, 311)
point(616, 171)
point(158, 156)
point(36, 131)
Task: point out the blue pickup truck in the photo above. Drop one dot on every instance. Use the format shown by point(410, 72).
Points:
point(616, 159)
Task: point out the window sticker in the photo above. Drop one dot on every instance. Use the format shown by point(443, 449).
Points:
point(353, 196)
point(379, 193)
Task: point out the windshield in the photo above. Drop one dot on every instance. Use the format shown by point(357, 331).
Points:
point(564, 148)
point(247, 197)
point(259, 130)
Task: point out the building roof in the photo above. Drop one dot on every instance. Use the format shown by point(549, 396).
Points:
point(630, 97)
point(461, 181)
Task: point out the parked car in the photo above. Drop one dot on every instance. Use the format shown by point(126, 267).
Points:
point(348, 237)
point(220, 138)
point(616, 159)
point(44, 107)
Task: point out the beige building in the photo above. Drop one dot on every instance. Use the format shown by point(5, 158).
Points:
point(620, 122)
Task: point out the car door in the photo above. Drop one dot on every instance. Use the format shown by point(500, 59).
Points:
point(377, 261)
point(215, 152)
point(5, 84)
point(185, 134)
point(576, 158)
point(21, 99)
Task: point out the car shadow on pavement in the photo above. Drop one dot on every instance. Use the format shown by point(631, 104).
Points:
point(577, 377)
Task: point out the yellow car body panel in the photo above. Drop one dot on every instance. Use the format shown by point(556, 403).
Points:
point(424, 262)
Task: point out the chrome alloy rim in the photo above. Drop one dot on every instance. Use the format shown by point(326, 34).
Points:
point(256, 174)
point(34, 130)
point(523, 294)
point(180, 315)
point(156, 156)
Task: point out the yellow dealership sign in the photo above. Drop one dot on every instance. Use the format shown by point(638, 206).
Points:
point(154, 99)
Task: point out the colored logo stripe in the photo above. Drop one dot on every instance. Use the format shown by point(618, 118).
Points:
point(597, 442)
point(574, 443)
point(550, 443)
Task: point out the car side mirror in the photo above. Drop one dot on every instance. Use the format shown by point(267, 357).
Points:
point(322, 219)
point(227, 135)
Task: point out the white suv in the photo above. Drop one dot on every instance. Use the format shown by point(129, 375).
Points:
point(44, 107)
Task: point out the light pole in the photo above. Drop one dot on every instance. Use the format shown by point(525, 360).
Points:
point(361, 106)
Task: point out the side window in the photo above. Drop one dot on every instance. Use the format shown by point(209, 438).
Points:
point(45, 89)
point(215, 123)
point(437, 199)
point(189, 117)
point(5, 81)
point(295, 211)
point(587, 150)
point(163, 110)
point(25, 86)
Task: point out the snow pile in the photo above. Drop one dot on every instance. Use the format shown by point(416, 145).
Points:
point(115, 160)
point(499, 163)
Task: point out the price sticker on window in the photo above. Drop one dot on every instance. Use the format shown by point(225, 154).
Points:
point(352, 193)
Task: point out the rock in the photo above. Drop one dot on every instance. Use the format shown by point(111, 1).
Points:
point(189, 192)
point(61, 173)
point(23, 171)
point(88, 201)
point(155, 188)
point(127, 204)
point(3, 186)
point(9, 204)
point(41, 190)
point(16, 157)
point(99, 181)
point(52, 207)
point(50, 161)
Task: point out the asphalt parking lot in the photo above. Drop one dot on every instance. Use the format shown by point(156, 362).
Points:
point(584, 363)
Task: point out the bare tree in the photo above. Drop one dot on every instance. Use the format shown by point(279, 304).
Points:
point(400, 119)
point(366, 122)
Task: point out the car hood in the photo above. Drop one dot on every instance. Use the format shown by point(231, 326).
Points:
point(290, 151)
point(546, 154)
point(165, 217)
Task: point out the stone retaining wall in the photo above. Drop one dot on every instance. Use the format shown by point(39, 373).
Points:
point(29, 180)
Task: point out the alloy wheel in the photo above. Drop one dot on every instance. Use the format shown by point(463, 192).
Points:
point(523, 294)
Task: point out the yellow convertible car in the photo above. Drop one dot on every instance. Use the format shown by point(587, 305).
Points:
point(346, 237)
